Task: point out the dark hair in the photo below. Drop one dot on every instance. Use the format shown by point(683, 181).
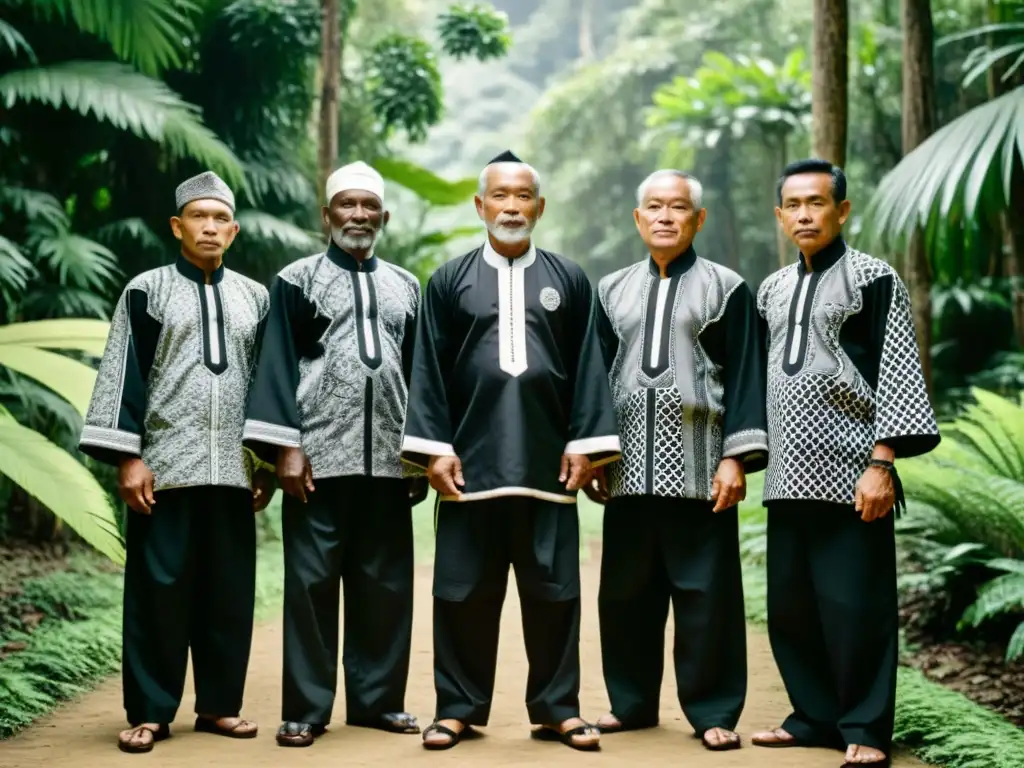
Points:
point(813, 165)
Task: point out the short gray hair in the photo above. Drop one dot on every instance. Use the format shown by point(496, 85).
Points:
point(481, 185)
point(696, 188)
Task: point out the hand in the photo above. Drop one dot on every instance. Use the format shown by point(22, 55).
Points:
point(729, 486)
point(445, 475)
point(263, 488)
point(597, 488)
point(418, 489)
point(295, 472)
point(875, 494)
point(576, 470)
point(135, 485)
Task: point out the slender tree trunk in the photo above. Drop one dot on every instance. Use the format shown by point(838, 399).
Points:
point(782, 243)
point(330, 92)
point(586, 29)
point(918, 124)
point(829, 80)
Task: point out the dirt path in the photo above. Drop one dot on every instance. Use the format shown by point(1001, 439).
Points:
point(82, 734)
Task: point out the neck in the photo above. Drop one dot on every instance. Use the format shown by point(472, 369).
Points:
point(208, 264)
point(824, 255)
point(509, 250)
point(361, 254)
point(665, 258)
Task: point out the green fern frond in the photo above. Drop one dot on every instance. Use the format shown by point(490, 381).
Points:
point(1015, 648)
point(77, 261)
point(14, 41)
point(15, 269)
point(264, 226)
point(134, 230)
point(115, 94)
point(34, 205)
point(1001, 595)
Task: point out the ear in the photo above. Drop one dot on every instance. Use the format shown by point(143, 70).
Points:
point(636, 218)
point(844, 211)
point(540, 207)
point(325, 216)
point(778, 215)
point(384, 219)
point(231, 237)
point(479, 206)
point(176, 227)
point(702, 215)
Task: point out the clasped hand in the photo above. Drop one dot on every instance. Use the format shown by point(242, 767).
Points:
point(445, 473)
point(875, 494)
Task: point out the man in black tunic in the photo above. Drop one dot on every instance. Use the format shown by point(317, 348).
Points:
point(327, 408)
point(846, 397)
point(509, 410)
point(680, 336)
point(167, 410)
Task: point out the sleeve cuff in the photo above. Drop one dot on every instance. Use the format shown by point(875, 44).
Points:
point(271, 434)
point(600, 450)
point(109, 439)
point(747, 441)
point(418, 450)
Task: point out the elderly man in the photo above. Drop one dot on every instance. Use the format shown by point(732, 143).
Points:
point(846, 397)
point(167, 410)
point(680, 338)
point(328, 408)
point(508, 412)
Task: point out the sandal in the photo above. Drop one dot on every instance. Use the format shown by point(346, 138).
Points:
point(292, 734)
point(207, 725)
point(393, 722)
point(550, 733)
point(626, 725)
point(722, 746)
point(778, 743)
point(453, 737)
point(129, 745)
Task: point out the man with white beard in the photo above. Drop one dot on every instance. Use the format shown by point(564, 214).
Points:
point(327, 407)
point(509, 411)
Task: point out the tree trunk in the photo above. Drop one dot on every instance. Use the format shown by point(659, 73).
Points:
point(829, 99)
point(918, 124)
point(586, 37)
point(726, 220)
point(330, 92)
point(781, 241)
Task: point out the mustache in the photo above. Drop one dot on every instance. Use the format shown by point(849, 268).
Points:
point(505, 220)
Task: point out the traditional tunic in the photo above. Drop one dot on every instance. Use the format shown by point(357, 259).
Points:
point(332, 379)
point(687, 379)
point(843, 374)
point(508, 376)
point(171, 389)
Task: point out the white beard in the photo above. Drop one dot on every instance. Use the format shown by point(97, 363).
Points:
point(511, 235)
point(353, 242)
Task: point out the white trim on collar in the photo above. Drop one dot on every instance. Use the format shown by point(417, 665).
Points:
point(496, 260)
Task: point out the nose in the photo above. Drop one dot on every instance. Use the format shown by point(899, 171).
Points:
point(664, 216)
point(360, 214)
point(803, 214)
point(209, 226)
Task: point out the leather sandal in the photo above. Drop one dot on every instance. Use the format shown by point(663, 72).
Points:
point(129, 745)
point(453, 737)
point(722, 746)
point(551, 733)
point(292, 734)
point(779, 743)
point(392, 722)
point(206, 725)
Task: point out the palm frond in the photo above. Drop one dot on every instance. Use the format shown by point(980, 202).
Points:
point(61, 484)
point(966, 165)
point(15, 269)
point(49, 300)
point(264, 226)
point(115, 94)
point(13, 39)
point(77, 261)
point(150, 34)
point(33, 204)
point(134, 230)
point(273, 178)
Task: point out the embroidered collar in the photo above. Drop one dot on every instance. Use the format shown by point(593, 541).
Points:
point(496, 260)
point(347, 261)
point(677, 266)
point(195, 274)
point(826, 257)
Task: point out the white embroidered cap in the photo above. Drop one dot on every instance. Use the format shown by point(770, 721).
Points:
point(356, 175)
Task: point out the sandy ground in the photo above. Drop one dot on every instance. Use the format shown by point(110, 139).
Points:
point(83, 733)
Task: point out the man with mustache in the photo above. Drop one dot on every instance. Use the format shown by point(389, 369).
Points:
point(680, 337)
point(168, 410)
point(846, 397)
point(509, 411)
point(327, 409)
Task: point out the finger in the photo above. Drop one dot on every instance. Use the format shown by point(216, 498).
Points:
point(564, 471)
point(309, 479)
point(869, 512)
point(457, 476)
point(448, 486)
point(716, 488)
point(858, 500)
point(576, 478)
point(147, 489)
point(140, 502)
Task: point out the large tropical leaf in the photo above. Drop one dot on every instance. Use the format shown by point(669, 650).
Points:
point(424, 183)
point(150, 34)
point(61, 484)
point(963, 169)
point(116, 94)
point(15, 269)
point(12, 38)
point(75, 260)
point(985, 56)
point(33, 204)
point(72, 380)
point(85, 335)
point(262, 225)
point(134, 230)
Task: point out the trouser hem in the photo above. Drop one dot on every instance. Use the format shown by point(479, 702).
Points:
point(865, 738)
point(551, 715)
point(477, 717)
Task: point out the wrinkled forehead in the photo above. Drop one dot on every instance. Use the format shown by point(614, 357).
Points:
point(356, 197)
point(807, 186)
point(667, 189)
point(509, 177)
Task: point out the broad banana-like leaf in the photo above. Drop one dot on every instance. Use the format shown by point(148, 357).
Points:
point(72, 380)
point(424, 183)
point(88, 336)
point(63, 485)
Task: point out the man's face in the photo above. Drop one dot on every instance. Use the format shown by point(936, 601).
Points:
point(205, 228)
point(510, 206)
point(667, 218)
point(809, 214)
point(356, 218)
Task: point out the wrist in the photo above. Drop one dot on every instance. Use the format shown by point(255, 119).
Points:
point(883, 452)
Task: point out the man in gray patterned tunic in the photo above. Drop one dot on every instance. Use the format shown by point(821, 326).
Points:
point(846, 397)
point(680, 337)
point(328, 408)
point(168, 410)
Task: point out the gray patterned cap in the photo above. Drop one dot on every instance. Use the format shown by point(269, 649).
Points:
point(205, 186)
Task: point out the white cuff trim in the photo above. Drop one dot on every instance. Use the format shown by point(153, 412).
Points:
point(497, 493)
point(272, 434)
point(746, 441)
point(591, 445)
point(111, 439)
point(426, 447)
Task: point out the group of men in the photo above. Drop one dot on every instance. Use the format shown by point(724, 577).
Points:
point(510, 385)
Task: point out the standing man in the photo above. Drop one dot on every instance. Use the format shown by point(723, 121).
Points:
point(846, 397)
point(680, 336)
point(168, 410)
point(328, 408)
point(509, 411)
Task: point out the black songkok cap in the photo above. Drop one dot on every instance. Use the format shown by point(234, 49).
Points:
point(505, 157)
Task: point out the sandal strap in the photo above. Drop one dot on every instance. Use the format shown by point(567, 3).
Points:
point(444, 730)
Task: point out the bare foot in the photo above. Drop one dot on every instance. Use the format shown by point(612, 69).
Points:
point(440, 738)
point(232, 726)
point(778, 737)
point(140, 738)
point(609, 721)
point(864, 755)
point(719, 737)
